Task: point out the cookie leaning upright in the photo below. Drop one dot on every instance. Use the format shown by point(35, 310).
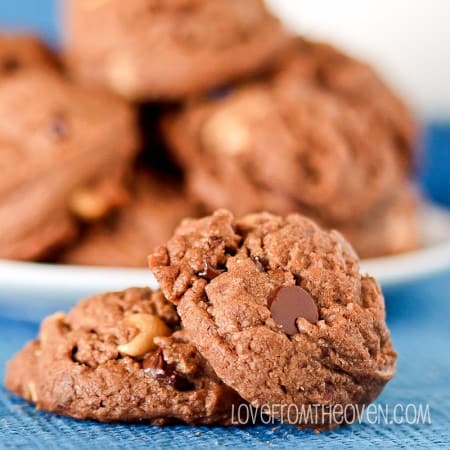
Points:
point(64, 151)
point(280, 311)
point(119, 357)
point(168, 49)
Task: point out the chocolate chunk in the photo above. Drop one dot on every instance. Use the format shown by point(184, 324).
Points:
point(287, 303)
point(155, 366)
point(210, 272)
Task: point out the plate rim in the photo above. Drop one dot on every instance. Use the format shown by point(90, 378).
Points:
point(388, 270)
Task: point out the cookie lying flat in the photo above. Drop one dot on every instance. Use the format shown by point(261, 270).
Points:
point(322, 135)
point(118, 357)
point(19, 52)
point(63, 157)
point(280, 311)
point(167, 49)
point(157, 206)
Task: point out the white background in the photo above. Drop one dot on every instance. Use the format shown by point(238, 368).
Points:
point(408, 41)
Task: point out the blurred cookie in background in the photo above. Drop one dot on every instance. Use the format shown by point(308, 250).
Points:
point(358, 85)
point(329, 149)
point(322, 135)
point(156, 207)
point(391, 229)
point(64, 153)
point(169, 49)
point(23, 51)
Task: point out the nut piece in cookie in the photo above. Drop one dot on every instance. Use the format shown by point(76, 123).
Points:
point(155, 208)
point(120, 357)
point(289, 320)
point(63, 159)
point(168, 49)
point(321, 135)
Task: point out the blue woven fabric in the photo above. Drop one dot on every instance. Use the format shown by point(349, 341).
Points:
point(418, 316)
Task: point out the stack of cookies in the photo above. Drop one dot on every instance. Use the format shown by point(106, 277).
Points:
point(158, 110)
point(165, 109)
point(259, 318)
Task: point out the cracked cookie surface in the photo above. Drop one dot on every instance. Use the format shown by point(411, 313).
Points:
point(120, 357)
point(128, 46)
point(224, 272)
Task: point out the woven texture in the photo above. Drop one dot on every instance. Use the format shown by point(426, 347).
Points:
point(418, 319)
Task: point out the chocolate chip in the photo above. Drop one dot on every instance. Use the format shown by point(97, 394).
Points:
point(155, 366)
point(58, 126)
point(287, 303)
point(209, 272)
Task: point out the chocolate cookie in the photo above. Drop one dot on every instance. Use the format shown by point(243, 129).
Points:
point(19, 52)
point(281, 313)
point(391, 229)
point(118, 357)
point(322, 135)
point(156, 207)
point(64, 150)
point(167, 49)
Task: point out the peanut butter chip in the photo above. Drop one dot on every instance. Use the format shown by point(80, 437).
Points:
point(287, 303)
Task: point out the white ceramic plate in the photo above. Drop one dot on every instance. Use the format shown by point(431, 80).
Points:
point(30, 291)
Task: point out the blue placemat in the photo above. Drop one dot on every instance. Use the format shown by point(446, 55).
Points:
point(39, 16)
point(434, 173)
point(419, 322)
